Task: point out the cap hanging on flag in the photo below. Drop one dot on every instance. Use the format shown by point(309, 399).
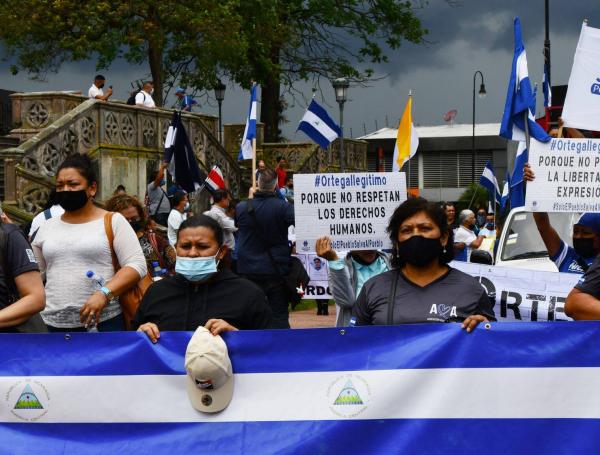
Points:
point(319, 126)
point(209, 372)
point(215, 180)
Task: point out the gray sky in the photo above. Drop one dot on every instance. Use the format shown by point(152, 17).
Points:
point(472, 35)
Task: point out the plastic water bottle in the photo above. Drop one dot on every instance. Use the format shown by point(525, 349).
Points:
point(97, 283)
point(156, 271)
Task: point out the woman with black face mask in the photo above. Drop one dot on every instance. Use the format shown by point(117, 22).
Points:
point(422, 287)
point(71, 245)
point(155, 247)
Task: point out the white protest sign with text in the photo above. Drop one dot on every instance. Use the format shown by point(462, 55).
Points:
point(351, 208)
point(567, 176)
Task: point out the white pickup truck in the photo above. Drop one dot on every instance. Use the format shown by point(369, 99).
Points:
point(521, 245)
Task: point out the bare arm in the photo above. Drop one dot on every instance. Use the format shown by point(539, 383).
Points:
point(160, 174)
point(582, 306)
point(477, 242)
point(32, 301)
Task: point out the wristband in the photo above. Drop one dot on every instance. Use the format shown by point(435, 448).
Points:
point(107, 293)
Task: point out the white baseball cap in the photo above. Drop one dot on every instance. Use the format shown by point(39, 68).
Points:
point(209, 372)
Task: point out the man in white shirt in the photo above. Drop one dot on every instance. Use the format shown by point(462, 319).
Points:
point(96, 92)
point(465, 239)
point(144, 97)
point(177, 216)
point(218, 212)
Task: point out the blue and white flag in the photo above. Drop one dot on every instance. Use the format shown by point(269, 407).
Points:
point(505, 193)
point(546, 88)
point(250, 130)
point(422, 388)
point(519, 98)
point(490, 182)
point(517, 185)
point(318, 125)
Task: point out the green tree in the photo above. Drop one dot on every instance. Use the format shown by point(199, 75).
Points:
point(474, 197)
point(40, 35)
point(275, 43)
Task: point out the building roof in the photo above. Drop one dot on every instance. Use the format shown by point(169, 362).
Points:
point(456, 130)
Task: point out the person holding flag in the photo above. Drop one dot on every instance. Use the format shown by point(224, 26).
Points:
point(407, 140)
point(186, 102)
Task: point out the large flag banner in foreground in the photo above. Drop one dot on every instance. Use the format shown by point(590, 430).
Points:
point(582, 103)
point(567, 176)
point(352, 208)
point(407, 139)
point(431, 388)
point(519, 97)
point(318, 125)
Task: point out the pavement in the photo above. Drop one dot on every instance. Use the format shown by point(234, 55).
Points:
point(308, 319)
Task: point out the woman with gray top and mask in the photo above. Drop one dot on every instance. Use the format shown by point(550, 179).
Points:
point(422, 287)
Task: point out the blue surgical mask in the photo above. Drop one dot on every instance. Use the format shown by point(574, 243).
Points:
point(162, 182)
point(197, 269)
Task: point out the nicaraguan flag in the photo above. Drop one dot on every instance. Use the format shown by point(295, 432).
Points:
point(519, 98)
point(319, 126)
point(113, 392)
point(407, 139)
point(490, 182)
point(547, 88)
point(517, 185)
point(505, 193)
point(250, 130)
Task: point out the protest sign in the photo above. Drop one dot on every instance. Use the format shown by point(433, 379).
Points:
point(318, 271)
point(567, 176)
point(521, 294)
point(352, 208)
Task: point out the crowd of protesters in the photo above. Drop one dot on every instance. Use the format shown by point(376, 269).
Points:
point(85, 265)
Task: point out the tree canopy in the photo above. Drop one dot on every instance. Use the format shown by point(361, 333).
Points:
point(274, 43)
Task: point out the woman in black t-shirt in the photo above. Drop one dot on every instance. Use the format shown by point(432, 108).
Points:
point(422, 287)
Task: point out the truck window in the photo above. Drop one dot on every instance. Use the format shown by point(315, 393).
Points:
point(523, 240)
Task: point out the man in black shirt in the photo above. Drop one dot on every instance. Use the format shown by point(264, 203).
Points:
point(21, 289)
point(583, 302)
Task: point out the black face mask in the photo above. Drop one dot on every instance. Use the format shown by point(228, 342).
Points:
point(71, 200)
point(419, 251)
point(136, 225)
point(584, 247)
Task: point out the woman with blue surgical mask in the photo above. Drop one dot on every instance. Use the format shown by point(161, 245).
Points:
point(201, 293)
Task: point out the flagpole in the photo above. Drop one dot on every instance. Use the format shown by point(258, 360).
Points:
point(254, 163)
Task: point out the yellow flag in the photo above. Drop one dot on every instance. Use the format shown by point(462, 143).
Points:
point(407, 139)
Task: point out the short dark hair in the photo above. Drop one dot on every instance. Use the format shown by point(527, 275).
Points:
point(203, 221)
point(411, 207)
point(178, 197)
point(279, 158)
point(99, 77)
point(288, 178)
point(82, 163)
point(267, 179)
point(219, 195)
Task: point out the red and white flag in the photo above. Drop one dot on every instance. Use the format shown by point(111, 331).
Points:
point(215, 180)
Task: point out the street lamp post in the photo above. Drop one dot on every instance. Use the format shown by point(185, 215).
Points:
point(340, 86)
point(220, 96)
point(482, 94)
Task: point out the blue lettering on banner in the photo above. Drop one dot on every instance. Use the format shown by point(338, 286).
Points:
point(595, 89)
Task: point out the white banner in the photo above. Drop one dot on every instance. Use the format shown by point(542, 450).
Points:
point(521, 294)
point(352, 208)
point(582, 102)
point(318, 271)
point(567, 176)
